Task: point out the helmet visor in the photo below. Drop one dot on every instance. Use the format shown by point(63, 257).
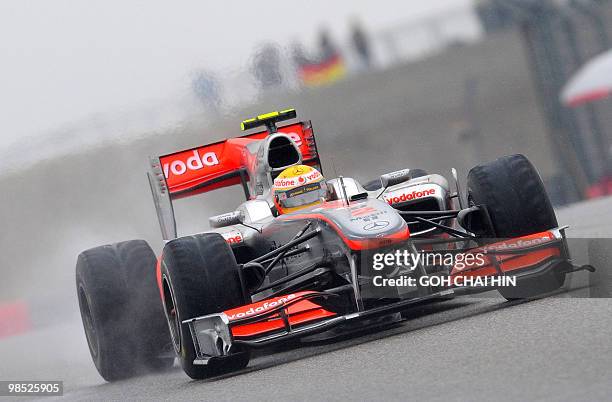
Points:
point(303, 195)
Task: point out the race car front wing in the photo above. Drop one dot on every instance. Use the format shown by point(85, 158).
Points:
point(296, 315)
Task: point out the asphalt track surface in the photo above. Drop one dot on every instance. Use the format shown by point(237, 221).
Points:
point(554, 348)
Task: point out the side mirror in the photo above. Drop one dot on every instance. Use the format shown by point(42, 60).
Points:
point(360, 196)
point(230, 218)
point(254, 275)
point(476, 220)
point(393, 178)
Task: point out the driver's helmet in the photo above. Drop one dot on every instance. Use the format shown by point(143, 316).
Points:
point(298, 187)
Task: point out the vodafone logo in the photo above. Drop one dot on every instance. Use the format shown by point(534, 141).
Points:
point(409, 196)
point(256, 309)
point(314, 175)
point(233, 240)
point(232, 237)
point(520, 243)
point(297, 181)
point(194, 162)
point(285, 182)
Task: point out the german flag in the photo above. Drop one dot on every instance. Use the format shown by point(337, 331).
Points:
point(322, 73)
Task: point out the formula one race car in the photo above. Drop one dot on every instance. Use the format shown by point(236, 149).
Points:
point(275, 270)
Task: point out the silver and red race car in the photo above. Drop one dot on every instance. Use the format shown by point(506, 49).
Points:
point(362, 258)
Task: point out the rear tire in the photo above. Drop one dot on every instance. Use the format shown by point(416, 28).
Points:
point(518, 205)
point(121, 310)
point(199, 277)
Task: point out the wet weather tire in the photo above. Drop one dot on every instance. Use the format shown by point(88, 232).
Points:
point(512, 190)
point(121, 310)
point(199, 277)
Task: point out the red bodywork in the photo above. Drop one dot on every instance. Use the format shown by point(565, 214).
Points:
point(300, 312)
point(217, 165)
point(510, 262)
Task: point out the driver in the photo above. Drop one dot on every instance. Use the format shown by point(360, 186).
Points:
point(298, 187)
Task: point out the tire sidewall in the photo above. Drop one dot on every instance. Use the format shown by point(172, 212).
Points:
point(110, 356)
point(189, 268)
point(116, 284)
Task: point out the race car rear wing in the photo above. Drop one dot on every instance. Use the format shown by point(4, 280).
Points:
point(213, 166)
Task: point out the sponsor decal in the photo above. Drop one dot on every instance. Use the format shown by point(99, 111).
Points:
point(376, 225)
point(235, 239)
point(315, 174)
point(398, 174)
point(406, 195)
point(362, 210)
point(516, 244)
point(297, 181)
point(365, 213)
point(232, 237)
point(196, 161)
point(285, 182)
point(227, 217)
point(261, 307)
point(301, 190)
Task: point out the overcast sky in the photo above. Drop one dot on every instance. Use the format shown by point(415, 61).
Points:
point(62, 61)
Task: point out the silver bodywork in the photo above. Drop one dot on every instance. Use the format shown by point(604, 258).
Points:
point(258, 213)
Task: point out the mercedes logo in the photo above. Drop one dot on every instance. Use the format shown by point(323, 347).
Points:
point(376, 225)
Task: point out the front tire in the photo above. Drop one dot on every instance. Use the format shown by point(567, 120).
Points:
point(199, 277)
point(512, 190)
point(121, 310)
